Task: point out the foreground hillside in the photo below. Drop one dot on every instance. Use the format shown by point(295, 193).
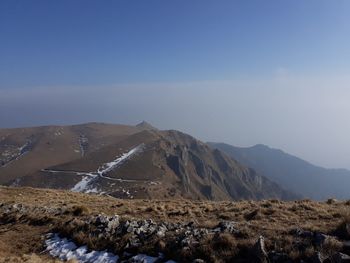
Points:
point(127, 162)
point(291, 172)
point(181, 230)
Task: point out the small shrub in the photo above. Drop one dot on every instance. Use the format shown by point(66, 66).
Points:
point(331, 201)
point(294, 254)
point(224, 216)
point(218, 247)
point(309, 252)
point(343, 229)
point(80, 210)
point(149, 209)
point(254, 215)
point(331, 246)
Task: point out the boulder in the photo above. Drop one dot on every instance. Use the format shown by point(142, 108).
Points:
point(320, 238)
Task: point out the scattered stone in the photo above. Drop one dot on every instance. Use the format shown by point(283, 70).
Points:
point(228, 226)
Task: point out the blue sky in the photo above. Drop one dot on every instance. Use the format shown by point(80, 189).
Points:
point(242, 72)
point(107, 42)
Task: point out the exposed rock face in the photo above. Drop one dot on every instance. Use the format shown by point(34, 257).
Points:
point(210, 174)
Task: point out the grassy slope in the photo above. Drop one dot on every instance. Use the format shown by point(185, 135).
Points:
point(271, 218)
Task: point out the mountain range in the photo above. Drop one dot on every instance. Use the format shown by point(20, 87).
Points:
point(291, 172)
point(127, 162)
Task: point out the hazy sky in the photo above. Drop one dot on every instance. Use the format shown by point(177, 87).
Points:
point(241, 72)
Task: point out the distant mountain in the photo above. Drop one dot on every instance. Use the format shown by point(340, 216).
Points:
point(127, 162)
point(291, 172)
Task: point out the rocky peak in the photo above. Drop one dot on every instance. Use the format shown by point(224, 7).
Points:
point(145, 126)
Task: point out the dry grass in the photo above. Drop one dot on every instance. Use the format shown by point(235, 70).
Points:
point(273, 219)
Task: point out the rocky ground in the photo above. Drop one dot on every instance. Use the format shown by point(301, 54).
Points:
point(178, 230)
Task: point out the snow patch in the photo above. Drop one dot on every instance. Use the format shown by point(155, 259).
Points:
point(67, 250)
point(107, 167)
point(82, 185)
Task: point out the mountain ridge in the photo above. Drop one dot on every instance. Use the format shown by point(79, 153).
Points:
point(292, 172)
point(166, 164)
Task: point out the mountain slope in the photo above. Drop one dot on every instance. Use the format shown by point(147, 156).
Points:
point(27, 150)
point(127, 162)
point(291, 172)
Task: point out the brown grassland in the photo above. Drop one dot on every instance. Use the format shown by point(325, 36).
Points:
point(23, 239)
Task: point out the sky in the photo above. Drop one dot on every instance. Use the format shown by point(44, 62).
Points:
point(241, 72)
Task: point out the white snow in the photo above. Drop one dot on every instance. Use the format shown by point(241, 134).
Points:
point(107, 167)
point(83, 184)
point(67, 250)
